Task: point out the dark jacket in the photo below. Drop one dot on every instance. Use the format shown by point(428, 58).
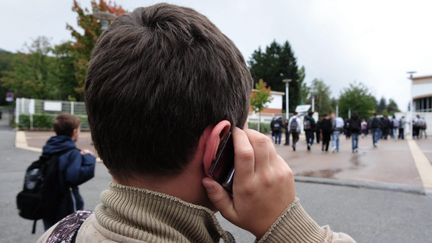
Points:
point(311, 121)
point(276, 124)
point(75, 168)
point(326, 126)
point(375, 123)
point(354, 125)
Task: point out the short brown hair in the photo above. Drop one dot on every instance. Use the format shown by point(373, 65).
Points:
point(157, 78)
point(64, 124)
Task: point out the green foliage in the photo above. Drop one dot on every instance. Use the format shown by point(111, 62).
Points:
point(260, 97)
point(392, 107)
point(85, 39)
point(264, 127)
point(356, 98)
point(304, 89)
point(31, 75)
point(40, 121)
point(45, 122)
point(381, 105)
point(274, 64)
point(321, 91)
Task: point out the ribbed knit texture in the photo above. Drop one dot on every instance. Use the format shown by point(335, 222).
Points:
point(295, 225)
point(154, 217)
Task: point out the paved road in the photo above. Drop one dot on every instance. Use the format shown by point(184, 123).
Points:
point(367, 215)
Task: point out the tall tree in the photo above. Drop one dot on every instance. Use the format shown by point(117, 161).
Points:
point(392, 107)
point(274, 64)
point(356, 98)
point(304, 89)
point(31, 74)
point(381, 105)
point(322, 94)
point(259, 99)
point(85, 39)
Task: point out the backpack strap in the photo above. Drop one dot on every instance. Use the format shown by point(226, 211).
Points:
point(67, 229)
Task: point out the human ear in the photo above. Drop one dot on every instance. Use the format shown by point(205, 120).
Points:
point(213, 142)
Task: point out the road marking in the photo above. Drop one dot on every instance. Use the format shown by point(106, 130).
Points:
point(21, 142)
point(423, 165)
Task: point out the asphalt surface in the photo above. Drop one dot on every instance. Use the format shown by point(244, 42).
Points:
point(367, 215)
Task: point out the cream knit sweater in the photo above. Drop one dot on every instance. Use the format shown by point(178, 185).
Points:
point(128, 214)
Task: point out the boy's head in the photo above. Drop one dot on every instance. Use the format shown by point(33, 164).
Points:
point(158, 77)
point(67, 125)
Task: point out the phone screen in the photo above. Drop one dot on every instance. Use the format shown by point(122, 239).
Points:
point(222, 168)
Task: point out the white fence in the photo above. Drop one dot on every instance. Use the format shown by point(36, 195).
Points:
point(34, 107)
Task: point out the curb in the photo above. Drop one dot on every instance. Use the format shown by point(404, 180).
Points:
point(365, 184)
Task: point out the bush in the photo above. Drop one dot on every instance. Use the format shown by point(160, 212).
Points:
point(264, 127)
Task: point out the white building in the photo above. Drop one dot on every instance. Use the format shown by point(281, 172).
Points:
point(422, 99)
point(272, 108)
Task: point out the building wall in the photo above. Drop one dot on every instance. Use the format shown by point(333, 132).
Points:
point(273, 108)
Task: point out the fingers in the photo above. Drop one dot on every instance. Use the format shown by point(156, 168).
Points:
point(261, 145)
point(244, 163)
point(219, 198)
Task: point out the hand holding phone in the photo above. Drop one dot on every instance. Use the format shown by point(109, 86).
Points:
point(263, 184)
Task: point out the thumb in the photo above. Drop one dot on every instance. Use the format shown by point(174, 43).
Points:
point(220, 198)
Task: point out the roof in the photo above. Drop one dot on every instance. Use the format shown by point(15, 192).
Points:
point(272, 92)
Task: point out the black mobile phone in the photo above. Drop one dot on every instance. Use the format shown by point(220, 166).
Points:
point(222, 168)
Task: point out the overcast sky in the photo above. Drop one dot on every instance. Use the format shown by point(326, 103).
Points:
point(339, 41)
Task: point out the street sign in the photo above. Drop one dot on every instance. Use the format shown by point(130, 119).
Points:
point(9, 97)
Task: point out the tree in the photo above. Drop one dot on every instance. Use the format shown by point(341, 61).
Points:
point(322, 93)
point(6, 59)
point(381, 105)
point(356, 98)
point(85, 40)
point(274, 64)
point(304, 89)
point(259, 98)
point(392, 107)
point(31, 74)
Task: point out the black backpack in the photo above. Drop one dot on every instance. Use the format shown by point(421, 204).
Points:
point(43, 189)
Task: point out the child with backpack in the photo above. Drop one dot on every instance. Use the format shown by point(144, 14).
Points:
point(51, 184)
point(294, 129)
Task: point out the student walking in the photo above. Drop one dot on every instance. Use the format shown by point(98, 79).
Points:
point(395, 127)
point(276, 128)
point(318, 131)
point(364, 128)
point(375, 129)
point(294, 129)
point(326, 131)
point(354, 128)
point(76, 166)
point(402, 124)
point(309, 128)
point(338, 125)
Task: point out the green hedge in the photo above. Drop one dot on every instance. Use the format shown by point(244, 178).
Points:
point(45, 121)
point(264, 127)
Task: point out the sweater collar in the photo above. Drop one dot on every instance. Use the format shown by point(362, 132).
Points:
point(151, 216)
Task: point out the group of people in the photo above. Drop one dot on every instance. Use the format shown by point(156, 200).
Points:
point(330, 127)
